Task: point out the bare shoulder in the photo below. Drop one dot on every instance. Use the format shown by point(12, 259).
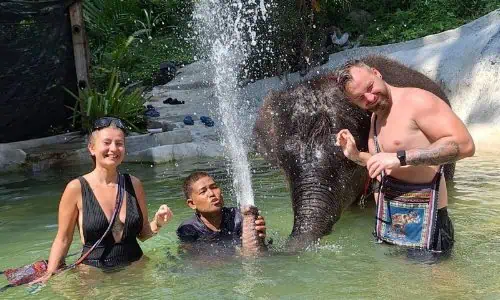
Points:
point(423, 97)
point(138, 188)
point(73, 186)
point(423, 101)
point(135, 181)
point(72, 192)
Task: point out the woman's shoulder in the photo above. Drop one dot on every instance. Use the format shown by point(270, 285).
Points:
point(72, 192)
point(74, 185)
point(135, 181)
point(73, 188)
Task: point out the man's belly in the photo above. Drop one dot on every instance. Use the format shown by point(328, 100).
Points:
point(415, 174)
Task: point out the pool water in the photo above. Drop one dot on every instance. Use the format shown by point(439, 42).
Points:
point(347, 264)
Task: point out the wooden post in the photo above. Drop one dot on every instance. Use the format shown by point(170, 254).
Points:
point(80, 44)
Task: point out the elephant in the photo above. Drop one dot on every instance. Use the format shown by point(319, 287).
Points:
point(295, 130)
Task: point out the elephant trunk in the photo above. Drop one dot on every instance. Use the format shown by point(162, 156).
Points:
point(252, 244)
point(316, 209)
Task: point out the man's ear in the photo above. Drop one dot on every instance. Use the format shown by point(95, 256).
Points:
point(190, 203)
point(377, 73)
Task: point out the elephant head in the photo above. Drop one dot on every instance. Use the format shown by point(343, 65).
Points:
point(296, 130)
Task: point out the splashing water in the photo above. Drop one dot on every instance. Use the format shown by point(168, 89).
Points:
point(226, 30)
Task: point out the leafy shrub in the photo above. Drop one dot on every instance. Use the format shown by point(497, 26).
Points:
point(159, 27)
point(468, 8)
point(105, 19)
point(115, 101)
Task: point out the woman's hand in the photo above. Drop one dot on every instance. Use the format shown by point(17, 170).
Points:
point(163, 215)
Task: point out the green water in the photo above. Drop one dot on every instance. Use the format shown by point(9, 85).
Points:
point(346, 265)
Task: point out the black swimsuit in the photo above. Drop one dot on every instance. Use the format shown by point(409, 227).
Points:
point(110, 253)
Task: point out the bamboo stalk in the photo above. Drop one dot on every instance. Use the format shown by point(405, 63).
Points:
point(80, 44)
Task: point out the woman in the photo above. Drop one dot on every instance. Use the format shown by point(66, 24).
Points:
point(89, 202)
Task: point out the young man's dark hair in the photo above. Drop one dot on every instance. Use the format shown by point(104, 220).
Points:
point(192, 178)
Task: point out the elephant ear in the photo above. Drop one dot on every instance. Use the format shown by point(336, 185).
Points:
point(264, 131)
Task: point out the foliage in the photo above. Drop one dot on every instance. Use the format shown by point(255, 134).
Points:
point(468, 8)
point(139, 61)
point(297, 36)
point(105, 19)
point(115, 101)
point(149, 55)
point(414, 20)
point(159, 26)
point(295, 39)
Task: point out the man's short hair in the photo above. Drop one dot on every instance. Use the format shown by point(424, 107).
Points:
point(188, 182)
point(343, 74)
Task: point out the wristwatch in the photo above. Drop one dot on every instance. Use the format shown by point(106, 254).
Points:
point(401, 154)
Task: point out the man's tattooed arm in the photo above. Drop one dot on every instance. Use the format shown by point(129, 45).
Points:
point(436, 154)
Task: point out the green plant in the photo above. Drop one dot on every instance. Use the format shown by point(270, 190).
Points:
point(115, 101)
point(468, 8)
point(105, 19)
point(149, 24)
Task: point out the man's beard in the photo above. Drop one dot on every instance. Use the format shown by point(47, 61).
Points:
point(381, 105)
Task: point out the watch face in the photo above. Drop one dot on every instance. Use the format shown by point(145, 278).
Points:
point(402, 157)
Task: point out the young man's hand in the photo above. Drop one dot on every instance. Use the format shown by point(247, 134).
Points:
point(260, 226)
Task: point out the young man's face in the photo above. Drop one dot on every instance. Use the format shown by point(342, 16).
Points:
point(367, 90)
point(206, 196)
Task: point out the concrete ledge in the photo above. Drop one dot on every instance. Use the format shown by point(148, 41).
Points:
point(56, 139)
point(11, 159)
point(167, 153)
point(144, 141)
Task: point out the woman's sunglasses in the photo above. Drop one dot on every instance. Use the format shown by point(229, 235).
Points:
point(106, 122)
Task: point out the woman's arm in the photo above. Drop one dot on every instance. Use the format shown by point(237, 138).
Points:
point(67, 218)
point(162, 216)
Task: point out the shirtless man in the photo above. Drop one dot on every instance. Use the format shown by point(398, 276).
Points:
point(416, 132)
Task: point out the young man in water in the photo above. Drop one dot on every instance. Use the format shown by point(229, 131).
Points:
point(214, 224)
point(412, 134)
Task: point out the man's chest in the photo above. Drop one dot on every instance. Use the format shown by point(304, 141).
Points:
point(396, 134)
